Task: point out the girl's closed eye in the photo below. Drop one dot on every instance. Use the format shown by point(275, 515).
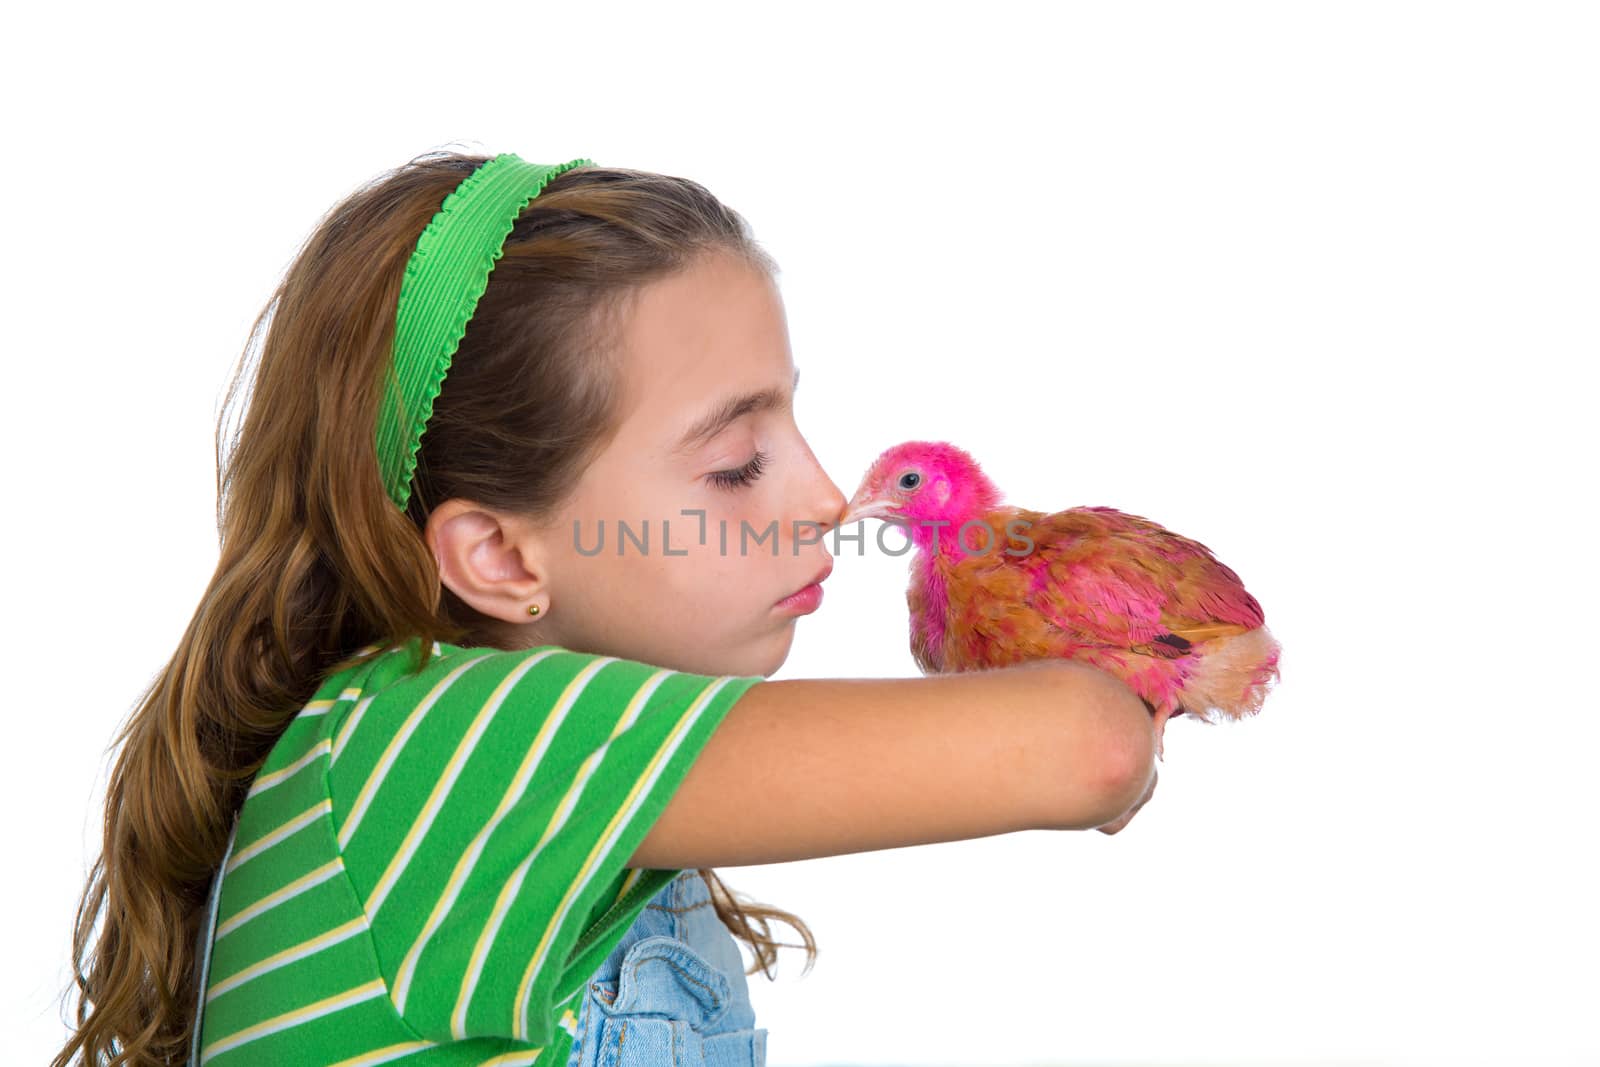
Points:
point(740, 476)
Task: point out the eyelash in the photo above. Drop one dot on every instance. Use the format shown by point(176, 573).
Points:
point(741, 476)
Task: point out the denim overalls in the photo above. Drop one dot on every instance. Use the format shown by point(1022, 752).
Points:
point(672, 993)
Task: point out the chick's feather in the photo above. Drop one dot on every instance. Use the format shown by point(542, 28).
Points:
point(1116, 590)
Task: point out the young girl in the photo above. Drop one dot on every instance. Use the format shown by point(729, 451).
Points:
point(439, 772)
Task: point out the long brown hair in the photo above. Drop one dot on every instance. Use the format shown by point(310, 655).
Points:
point(316, 561)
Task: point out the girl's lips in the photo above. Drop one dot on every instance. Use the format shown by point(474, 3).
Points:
point(808, 598)
point(803, 602)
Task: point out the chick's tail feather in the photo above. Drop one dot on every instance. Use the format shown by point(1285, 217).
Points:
point(1234, 675)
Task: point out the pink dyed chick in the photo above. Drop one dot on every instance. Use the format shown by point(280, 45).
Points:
point(1090, 583)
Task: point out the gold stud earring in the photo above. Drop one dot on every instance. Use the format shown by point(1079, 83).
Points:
point(533, 609)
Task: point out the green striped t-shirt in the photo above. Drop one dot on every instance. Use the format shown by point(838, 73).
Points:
point(430, 864)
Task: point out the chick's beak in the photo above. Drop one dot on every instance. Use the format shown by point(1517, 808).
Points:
point(866, 505)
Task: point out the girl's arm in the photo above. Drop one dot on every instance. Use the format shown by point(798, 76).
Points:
point(819, 767)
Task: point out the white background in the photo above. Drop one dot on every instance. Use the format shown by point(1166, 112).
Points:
point(1314, 284)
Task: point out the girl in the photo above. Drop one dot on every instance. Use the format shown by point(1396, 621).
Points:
point(440, 770)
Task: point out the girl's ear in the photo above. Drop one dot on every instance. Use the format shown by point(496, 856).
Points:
point(488, 560)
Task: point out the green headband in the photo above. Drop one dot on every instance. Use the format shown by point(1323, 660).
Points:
point(444, 279)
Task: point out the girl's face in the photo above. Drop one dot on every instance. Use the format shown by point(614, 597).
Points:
point(706, 426)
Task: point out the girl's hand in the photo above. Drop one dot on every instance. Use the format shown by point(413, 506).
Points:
point(1127, 816)
point(1159, 723)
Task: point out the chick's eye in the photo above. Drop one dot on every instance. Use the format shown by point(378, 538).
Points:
point(740, 476)
point(909, 480)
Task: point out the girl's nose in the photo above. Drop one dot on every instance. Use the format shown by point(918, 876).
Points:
point(824, 502)
point(830, 503)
